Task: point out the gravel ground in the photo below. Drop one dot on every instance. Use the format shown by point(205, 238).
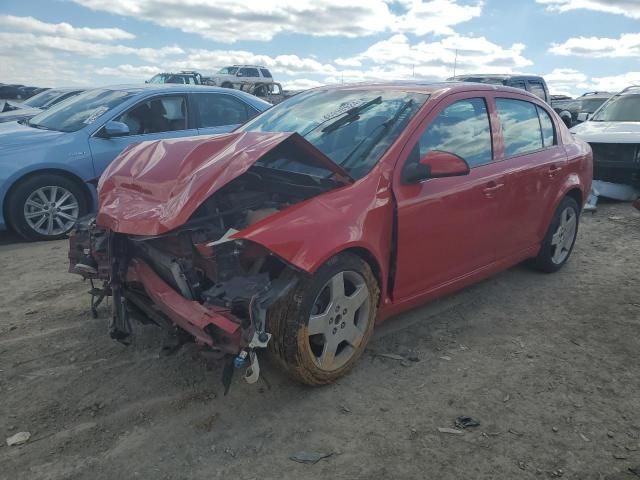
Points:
point(548, 364)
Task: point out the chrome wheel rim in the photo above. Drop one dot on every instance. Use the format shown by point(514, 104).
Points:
point(563, 238)
point(339, 320)
point(51, 210)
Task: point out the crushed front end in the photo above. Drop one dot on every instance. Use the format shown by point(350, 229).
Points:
point(196, 282)
point(167, 241)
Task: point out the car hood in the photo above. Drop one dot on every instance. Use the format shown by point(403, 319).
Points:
point(15, 134)
point(18, 114)
point(154, 187)
point(608, 132)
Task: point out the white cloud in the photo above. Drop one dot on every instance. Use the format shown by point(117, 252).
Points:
point(127, 71)
point(615, 83)
point(628, 8)
point(301, 84)
point(229, 21)
point(573, 82)
point(566, 81)
point(32, 25)
point(396, 56)
point(628, 45)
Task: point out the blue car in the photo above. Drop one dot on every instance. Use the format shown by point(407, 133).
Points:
point(46, 161)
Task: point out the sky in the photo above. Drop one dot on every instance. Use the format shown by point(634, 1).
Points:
point(577, 45)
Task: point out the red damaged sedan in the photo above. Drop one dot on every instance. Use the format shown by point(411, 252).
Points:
point(327, 214)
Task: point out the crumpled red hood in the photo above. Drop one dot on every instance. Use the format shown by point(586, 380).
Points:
point(154, 187)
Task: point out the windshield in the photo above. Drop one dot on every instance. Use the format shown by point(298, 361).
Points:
point(591, 105)
point(159, 78)
point(621, 108)
point(351, 127)
point(228, 70)
point(41, 99)
point(80, 111)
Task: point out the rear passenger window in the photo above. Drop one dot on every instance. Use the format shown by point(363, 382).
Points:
point(265, 73)
point(216, 110)
point(548, 132)
point(463, 129)
point(520, 126)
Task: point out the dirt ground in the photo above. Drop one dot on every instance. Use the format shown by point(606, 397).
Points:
point(548, 364)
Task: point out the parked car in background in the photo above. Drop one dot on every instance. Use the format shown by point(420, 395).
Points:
point(330, 212)
point(530, 83)
point(45, 161)
point(614, 135)
point(36, 104)
point(582, 107)
point(242, 76)
point(12, 92)
point(184, 77)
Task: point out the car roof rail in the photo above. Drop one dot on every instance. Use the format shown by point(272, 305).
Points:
point(597, 92)
point(632, 87)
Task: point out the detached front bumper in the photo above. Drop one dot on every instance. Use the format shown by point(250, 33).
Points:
point(195, 318)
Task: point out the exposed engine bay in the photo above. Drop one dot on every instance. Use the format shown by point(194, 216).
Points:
point(197, 280)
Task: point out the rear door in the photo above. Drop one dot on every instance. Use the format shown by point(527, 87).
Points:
point(533, 162)
point(219, 112)
point(248, 75)
point(447, 226)
point(162, 116)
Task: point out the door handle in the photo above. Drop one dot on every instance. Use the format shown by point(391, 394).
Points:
point(553, 171)
point(491, 188)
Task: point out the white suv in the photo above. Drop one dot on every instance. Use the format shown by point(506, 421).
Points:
point(244, 77)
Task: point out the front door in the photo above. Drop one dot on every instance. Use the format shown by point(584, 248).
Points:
point(446, 226)
point(150, 119)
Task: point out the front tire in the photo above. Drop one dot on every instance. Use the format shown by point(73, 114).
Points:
point(322, 327)
point(227, 85)
point(560, 238)
point(46, 207)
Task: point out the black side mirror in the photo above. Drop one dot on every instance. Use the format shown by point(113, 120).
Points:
point(416, 172)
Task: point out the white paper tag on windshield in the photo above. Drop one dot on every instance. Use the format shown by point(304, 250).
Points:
point(341, 109)
point(95, 114)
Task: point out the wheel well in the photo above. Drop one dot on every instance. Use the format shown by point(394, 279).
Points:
point(576, 194)
point(368, 257)
point(53, 171)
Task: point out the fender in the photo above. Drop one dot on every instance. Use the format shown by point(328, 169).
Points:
point(309, 233)
point(570, 182)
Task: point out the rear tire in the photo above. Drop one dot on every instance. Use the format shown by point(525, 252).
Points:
point(560, 238)
point(43, 200)
point(227, 85)
point(320, 329)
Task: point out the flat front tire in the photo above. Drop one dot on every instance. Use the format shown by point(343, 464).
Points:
point(45, 207)
point(322, 327)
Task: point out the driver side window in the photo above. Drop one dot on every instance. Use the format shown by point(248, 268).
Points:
point(463, 129)
point(156, 115)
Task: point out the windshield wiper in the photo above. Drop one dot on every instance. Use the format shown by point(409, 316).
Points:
point(387, 126)
point(351, 115)
point(36, 125)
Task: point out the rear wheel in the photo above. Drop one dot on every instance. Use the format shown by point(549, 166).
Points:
point(46, 207)
point(560, 238)
point(227, 85)
point(322, 327)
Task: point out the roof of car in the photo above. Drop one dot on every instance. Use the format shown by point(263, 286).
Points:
point(426, 87)
point(178, 87)
point(497, 76)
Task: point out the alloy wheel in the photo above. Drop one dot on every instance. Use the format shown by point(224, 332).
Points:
point(562, 239)
point(339, 320)
point(51, 210)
